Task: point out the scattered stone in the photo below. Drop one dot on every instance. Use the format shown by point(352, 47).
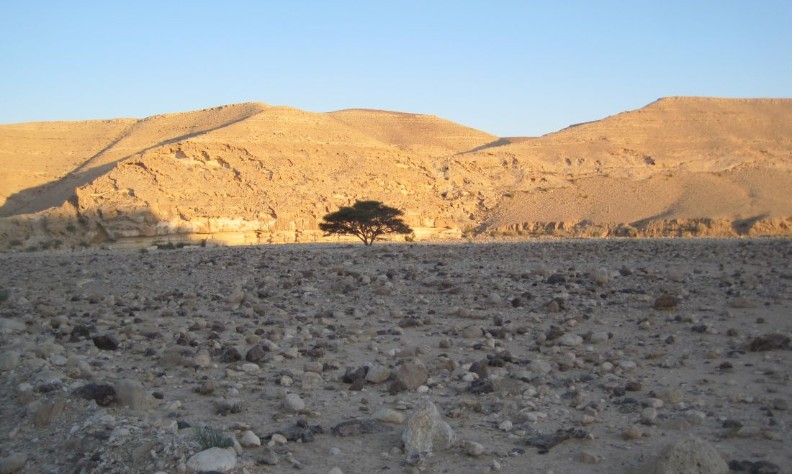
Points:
point(473, 448)
point(540, 367)
point(671, 396)
point(754, 467)
point(689, 456)
point(250, 367)
point(472, 332)
point(601, 276)
point(769, 342)
point(278, 438)
point(671, 375)
point(267, 457)
point(301, 431)
point(311, 381)
point(480, 368)
point(202, 359)
point(9, 360)
point(665, 302)
point(103, 394)
point(132, 394)
point(79, 332)
point(743, 303)
point(249, 439)
point(555, 279)
point(293, 403)
point(13, 463)
point(425, 432)
point(409, 375)
point(212, 459)
point(632, 432)
point(46, 411)
point(230, 354)
point(571, 340)
point(358, 427)
point(477, 387)
point(545, 442)
point(351, 375)
point(255, 354)
point(633, 386)
point(587, 457)
point(553, 306)
point(649, 416)
point(378, 374)
point(207, 387)
point(387, 415)
point(106, 342)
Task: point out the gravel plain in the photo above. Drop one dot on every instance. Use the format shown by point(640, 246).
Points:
point(598, 356)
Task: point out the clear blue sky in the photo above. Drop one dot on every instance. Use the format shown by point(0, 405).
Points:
point(505, 67)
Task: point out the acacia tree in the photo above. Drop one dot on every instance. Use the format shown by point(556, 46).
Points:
point(366, 220)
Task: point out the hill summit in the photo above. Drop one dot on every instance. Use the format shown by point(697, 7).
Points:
point(255, 173)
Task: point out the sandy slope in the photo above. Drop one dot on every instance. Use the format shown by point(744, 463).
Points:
point(252, 173)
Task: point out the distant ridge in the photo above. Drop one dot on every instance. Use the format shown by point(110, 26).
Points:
point(256, 173)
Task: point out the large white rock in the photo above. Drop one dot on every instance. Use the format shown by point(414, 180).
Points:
point(570, 340)
point(378, 374)
point(249, 439)
point(212, 459)
point(425, 431)
point(293, 403)
point(131, 393)
point(689, 456)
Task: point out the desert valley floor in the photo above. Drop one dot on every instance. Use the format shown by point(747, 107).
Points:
point(553, 356)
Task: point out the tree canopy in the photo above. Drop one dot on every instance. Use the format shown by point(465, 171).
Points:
point(366, 220)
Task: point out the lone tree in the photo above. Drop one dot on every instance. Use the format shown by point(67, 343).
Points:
point(366, 220)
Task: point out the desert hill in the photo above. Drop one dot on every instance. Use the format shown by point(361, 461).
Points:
point(253, 173)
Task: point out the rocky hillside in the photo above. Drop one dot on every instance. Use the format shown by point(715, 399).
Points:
point(254, 173)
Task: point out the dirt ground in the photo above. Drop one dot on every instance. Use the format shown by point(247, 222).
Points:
point(555, 356)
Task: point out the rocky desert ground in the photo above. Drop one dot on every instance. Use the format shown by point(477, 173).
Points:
point(601, 356)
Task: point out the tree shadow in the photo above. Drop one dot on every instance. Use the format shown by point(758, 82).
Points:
point(744, 226)
point(492, 144)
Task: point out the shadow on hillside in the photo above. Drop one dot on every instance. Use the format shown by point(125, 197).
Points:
point(52, 194)
point(744, 226)
point(493, 144)
point(55, 193)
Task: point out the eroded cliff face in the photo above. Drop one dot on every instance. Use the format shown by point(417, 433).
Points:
point(252, 173)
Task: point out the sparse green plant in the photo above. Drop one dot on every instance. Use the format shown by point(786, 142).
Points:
point(208, 437)
point(366, 220)
point(71, 227)
point(14, 243)
point(3, 295)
